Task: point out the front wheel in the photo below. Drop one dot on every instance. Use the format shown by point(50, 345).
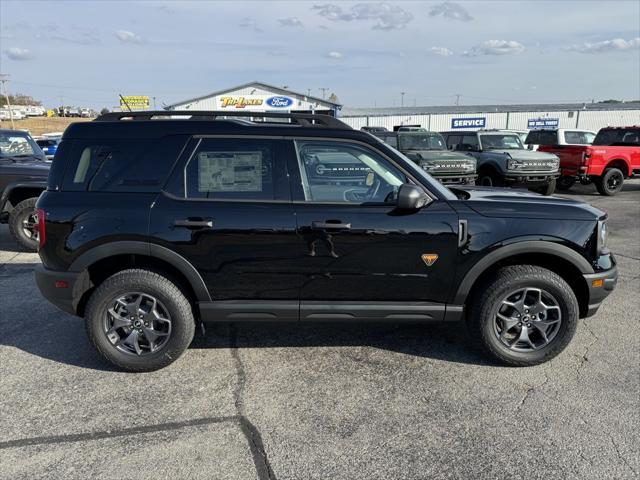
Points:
point(23, 224)
point(524, 315)
point(490, 179)
point(139, 320)
point(611, 182)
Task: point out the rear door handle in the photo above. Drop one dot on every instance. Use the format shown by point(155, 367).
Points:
point(337, 225)
point(194, 223)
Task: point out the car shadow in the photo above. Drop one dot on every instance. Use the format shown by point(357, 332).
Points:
point(590, 189)
point(54, 335)
point(7, 243)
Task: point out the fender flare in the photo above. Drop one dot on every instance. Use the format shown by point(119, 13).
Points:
point(549, 248)
point(4, 198)
point(177, 261)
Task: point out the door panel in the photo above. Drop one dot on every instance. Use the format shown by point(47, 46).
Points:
point(228, 212)
point(380, 256)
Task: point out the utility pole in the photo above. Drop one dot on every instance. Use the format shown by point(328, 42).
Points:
point(308, 92)
point(4, 78)
point(154, 103)
point(458, 99)
point(402, 99)
point(324, 91)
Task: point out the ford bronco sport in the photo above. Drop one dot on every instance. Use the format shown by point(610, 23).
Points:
point(151, 224)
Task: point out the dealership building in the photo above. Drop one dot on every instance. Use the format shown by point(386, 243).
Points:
point(588, 116)
point(259, 97)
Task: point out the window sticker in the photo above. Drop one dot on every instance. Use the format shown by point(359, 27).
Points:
point(230, 171)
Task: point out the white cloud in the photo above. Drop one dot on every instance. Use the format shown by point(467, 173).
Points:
point(495, 47)
point(450, 11)
point(441, 51)
point(335, 55)
point(385, 16)
point(126, 36)
point(616, 44)
point(19, 54)
point(290, 22)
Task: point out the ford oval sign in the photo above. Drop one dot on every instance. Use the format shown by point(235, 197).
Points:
point(279, 102)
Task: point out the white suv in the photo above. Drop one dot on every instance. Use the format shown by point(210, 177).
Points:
point(559, 136)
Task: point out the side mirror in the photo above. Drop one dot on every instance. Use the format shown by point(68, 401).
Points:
point(411, 197)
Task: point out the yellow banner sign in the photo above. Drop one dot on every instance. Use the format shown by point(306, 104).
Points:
point(240, 102)
point(134, 101)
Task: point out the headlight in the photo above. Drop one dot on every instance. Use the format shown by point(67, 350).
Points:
point(603, 235)
point(428, 165)
point(514, 164)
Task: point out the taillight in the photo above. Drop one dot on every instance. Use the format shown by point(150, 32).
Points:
point(585, 157)
point(42, 216)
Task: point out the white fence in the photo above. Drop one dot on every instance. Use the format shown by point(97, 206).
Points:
point(587, 119)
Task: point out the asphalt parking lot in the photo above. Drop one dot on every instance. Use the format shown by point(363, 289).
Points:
point(323, 401)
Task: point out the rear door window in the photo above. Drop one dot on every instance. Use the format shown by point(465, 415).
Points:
point(234, 169)
point(453, 140)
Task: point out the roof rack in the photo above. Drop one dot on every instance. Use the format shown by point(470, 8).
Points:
point(301, 119)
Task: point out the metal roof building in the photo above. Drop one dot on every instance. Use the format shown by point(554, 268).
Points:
point(258, 97)
point(588, 116)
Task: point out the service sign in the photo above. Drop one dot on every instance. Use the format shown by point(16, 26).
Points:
point(134, 102)
point(475, 122)
point(534, 123)
point(255, 102)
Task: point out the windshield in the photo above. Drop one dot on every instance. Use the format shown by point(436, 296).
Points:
point(618, 136)
point(430, 141)
point(501, 142)
point(17, 144)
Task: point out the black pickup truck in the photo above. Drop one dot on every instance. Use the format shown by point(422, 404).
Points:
point(23, 177)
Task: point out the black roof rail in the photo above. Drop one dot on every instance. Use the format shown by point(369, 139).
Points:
point(302, 119)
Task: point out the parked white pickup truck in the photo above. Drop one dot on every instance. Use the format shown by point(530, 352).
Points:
point(558, 136)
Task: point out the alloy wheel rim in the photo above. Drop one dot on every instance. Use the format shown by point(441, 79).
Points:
point(614, 181)
point(137, 324)
point(30, 226)
point(527, 319)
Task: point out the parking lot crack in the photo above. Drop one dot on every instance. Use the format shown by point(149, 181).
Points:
point(249, 430)
point(620, 456)
point(530, 389)
point(584, 358)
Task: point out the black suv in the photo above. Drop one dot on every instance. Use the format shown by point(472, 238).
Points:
point(151, 224)
point(23, 176)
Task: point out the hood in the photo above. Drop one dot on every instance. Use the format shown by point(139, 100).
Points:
point(509, 202)
point(522, 154)
point(436, 155)
point(28, 166)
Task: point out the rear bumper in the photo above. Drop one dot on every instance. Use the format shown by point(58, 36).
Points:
point(600, 285)
point(62, 289)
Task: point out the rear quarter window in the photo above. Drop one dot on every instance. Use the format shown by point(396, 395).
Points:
point(118, 165)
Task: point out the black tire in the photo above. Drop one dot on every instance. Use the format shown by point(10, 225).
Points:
point(490, 179)
point(547, 189)
point(488, 300)
point(17, 217)
point(565, 183)
point(166, 292)
point(610, 183)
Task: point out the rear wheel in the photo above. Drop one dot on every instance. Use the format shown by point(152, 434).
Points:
point(139, 320)
point(565, 183)
point(611, 182)
point(524, 315)
point(23, 224)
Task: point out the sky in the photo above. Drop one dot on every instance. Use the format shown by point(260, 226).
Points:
point(85, 53)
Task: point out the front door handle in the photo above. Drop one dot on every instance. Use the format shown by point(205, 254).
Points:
point(330, 224)
point(194, 223)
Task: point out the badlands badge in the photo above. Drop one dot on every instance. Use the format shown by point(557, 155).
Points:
point(429, 258)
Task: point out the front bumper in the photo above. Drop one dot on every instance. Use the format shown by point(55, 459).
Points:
point(455, 178)
point(530, 178)
point(600, 285)
point(62, 289)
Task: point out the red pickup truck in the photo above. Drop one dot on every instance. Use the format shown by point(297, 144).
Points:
point(613, 156)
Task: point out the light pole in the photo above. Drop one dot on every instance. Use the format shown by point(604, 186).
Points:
point(402, 99)
point(324, 91)
point(4, 78)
